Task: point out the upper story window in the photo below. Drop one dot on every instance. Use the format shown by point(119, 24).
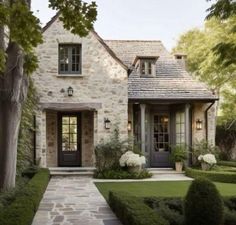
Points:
point(146, 65)
point(70, 59)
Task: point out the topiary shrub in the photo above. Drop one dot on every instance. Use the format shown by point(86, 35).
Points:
point(203, 204)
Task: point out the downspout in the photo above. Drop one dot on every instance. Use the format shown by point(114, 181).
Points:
point(206, 118)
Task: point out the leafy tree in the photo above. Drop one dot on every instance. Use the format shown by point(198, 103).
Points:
point(20, 33)
point(202, 61)
point(226, 49)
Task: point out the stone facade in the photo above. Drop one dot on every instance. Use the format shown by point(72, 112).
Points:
point(103, 80)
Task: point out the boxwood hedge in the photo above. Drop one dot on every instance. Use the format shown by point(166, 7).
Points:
point(22, 210)
point(227, 163)
point(225, 177)
point(133, 211)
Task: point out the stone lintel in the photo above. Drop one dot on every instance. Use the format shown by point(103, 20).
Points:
point(64, 106)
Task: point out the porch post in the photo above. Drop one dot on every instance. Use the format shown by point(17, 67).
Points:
point(143, 144)
point(187, 129)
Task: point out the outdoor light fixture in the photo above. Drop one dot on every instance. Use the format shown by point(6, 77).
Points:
point(199, 124)
point(107, 123)
point(129, 126)
point(70, 91)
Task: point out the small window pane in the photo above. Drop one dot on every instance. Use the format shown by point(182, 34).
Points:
point(65, 129)
point(65, 120)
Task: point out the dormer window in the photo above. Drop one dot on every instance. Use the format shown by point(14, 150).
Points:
point(146, 65)
point(69, 59)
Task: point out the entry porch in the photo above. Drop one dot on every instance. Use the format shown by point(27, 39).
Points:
point(159, 125)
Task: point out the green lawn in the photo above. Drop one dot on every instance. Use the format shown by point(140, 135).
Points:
point(158, 188)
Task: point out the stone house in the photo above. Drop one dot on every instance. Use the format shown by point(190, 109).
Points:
point(88, 85)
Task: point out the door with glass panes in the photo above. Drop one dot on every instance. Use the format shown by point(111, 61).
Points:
point(160, 151)
point(69, 135)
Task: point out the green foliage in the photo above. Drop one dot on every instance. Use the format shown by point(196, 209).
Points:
point(226, 49)
point(203, 204)
point(170, 209)
point(179, 153)
point(175, 209)
point(76, 15)
point(221, 176)
point(133, 211)
point(109, 152)
point(21, 211)
point(25, 146)
point(227, 163)
point(122, 174)
point(203, 147)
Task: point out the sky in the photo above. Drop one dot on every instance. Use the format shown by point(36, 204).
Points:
point(163, 20)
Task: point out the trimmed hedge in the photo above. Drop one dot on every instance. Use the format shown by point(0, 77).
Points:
point(176, 205)
point(22, 210)
point(133, 211)
point(225, 177)
point(203, 204)
point(227, 163)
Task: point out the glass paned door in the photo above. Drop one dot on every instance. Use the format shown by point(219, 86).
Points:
point(160, 155)
point(69, 140)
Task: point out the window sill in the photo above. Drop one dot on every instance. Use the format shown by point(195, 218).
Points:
point(70, 75)
point(147, 76)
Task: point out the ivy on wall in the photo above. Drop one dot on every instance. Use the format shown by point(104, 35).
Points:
point(26, 136)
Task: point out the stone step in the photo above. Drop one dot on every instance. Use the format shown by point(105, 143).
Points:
point(156, 171)
point(72, 171)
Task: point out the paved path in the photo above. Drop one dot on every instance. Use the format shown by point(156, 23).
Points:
point(73, 201)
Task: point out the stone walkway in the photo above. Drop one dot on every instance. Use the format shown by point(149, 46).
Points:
point(73, 201)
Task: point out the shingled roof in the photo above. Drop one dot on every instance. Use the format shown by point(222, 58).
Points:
point(171, 80)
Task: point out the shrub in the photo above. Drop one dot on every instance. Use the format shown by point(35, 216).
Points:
point(21, 211)
point(121, 174)
point(202, 148)
point(133, 211)
point(108, 153)
point(229, 216)
point(227, 163)
point(203, 204)
point(224, 176)
point(170, 209)
point(178, 153)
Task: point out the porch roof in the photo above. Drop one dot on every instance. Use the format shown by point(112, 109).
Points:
point(65, 106)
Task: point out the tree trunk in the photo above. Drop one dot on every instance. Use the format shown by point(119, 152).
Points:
point(14, 86)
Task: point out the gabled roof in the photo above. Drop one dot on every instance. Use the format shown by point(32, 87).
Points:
point(113, 55)
point(171, 80)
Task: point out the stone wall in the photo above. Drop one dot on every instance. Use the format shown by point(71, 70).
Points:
point(103, 80)
point(198, 112)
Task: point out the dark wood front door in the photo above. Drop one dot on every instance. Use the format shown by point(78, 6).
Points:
point(160, 153)
point(69, 136)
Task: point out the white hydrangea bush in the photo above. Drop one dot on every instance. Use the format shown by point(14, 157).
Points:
point(131, 159)
point(207, 158)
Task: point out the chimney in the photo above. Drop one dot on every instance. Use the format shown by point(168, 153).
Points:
point(181, 59)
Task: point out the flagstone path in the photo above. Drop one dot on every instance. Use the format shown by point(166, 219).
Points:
point(73, 201)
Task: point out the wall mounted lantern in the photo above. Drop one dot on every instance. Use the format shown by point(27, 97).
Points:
point(70, 91)
point(107, 123)
point(129, 126)
point(199, 124)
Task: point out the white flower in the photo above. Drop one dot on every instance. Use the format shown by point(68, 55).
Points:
point(131, 159)
point(209, 159)
point(200, 158)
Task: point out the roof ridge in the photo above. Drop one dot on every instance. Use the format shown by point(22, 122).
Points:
point(132, 40)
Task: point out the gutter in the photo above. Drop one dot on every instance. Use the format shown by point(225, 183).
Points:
point(206, 118)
